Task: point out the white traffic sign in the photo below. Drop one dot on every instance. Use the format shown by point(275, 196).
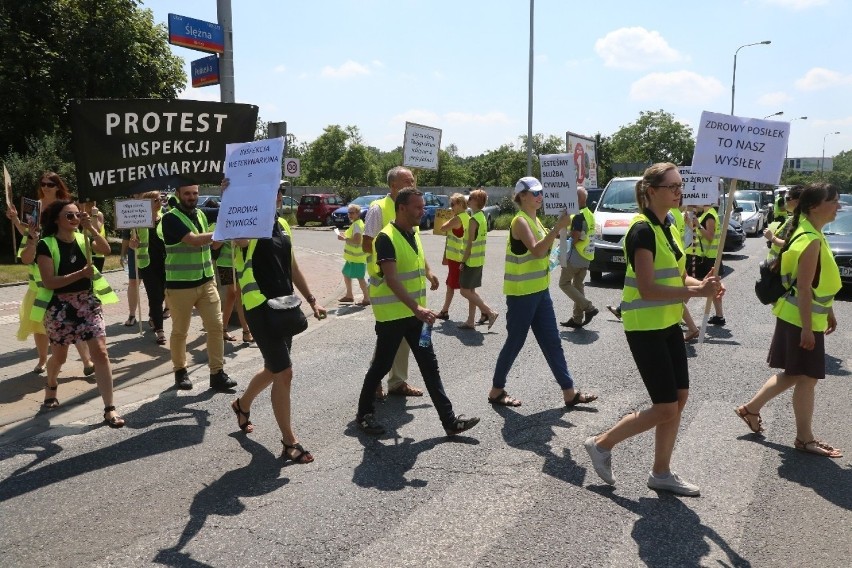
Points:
point(292, 167)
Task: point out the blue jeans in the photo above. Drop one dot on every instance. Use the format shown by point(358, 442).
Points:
point(532, 311)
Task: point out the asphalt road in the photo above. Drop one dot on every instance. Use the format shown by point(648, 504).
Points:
point(181, 486)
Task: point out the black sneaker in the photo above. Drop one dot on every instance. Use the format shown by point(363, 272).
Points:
point(571, 323)
point(460, 424)
point(369, 425)
point(589, 315)
point(182, 380)
point(222, 382)
point(716, 320)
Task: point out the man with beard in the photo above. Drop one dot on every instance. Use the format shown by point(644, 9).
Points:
point(190, 284)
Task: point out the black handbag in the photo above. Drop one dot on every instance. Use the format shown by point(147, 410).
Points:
point(289, 309)
point(769, 287)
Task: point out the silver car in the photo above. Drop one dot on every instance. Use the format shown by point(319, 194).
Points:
point(751, 217)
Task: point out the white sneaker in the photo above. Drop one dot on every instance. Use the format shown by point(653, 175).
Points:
point(601, 460)
point(674, 484)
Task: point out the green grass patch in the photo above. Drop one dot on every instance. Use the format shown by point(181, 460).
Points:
point(12, 273)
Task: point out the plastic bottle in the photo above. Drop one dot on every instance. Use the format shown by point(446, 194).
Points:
point(425, 335)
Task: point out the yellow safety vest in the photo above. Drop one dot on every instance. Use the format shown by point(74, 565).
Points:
point(477, 248)
point(186, 263)
point(143, 257)
point(411, 272)
point(585, 246)
point(354, 253)
point(525, 274)
point(710, 247)
point(775, 250)
point(787, 307)
point(43, 294)
point(250, 291)
point(388, 209)
point(639, 314)
point(679, 222)
point(454, 247)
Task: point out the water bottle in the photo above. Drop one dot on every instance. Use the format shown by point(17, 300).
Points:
point(425, 335)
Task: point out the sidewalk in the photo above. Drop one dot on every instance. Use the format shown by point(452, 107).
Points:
point(141, 368)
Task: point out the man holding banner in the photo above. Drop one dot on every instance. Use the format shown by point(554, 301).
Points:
point(190, 284)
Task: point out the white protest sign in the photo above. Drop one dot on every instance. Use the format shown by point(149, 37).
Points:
point(734, 147)
point(134, 213)
point(420, 147)
point(7, 182)
point(698, 189)
point(253, 170)
point(582, 150)
point(560, 183)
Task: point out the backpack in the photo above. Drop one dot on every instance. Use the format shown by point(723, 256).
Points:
point(769, 288)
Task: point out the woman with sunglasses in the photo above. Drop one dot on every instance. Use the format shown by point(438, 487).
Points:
point(70, 297)
point(655, 287)
point(526, 284)
point(50, 188)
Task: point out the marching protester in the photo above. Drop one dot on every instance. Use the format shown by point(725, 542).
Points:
point(526, 283)
point(473, 261)
point(127, 259)
point(708, 231)
point(267, 270)
point(50, 188)
point(189, 284)
point(778, 235)
point(578, 258)
point(454, 247)
point(150, 254)
point(398, 296)
point(381, 212)
point(804, 316)
point(354, 257)
point(225, 275)
point(655, 287)
point(70, 293)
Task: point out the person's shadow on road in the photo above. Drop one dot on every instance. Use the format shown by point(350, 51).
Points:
point(223, 497)
point(669, 533)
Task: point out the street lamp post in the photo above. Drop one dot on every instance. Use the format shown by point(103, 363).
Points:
point(530, 95)
point(779, 113)
point(787, 148)
point(734, 81)
point(822, 162)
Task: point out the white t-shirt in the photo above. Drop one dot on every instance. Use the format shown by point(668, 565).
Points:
point(373, 221)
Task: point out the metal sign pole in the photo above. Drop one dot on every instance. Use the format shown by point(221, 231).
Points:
point(226, 60)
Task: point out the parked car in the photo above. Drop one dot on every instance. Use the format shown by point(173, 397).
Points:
point(208, 201)
point(340, 216)
point(317, 207)
point(751, 218)
point(594, 195)
point(432, 204)
point(838, 234)
point(288, 205)
point(735, 239)
point(765, 209)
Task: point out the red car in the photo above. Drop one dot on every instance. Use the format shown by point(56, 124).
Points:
point(317, 207)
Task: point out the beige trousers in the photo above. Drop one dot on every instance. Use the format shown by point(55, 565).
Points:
point(205, 299)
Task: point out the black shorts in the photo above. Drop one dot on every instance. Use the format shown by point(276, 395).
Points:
point(699, 266)
point(265, 325)
point(660, 356)
point(226, 275)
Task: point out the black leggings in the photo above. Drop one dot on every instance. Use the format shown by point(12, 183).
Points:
point(154, 277)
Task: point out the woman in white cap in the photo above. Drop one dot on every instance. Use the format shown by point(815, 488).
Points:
point(526, 283)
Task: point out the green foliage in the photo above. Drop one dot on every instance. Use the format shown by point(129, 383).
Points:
point(450, 173)
point(504, 221)
point(338, 156)
point(655, 137)
point(347, 194)
point(55, 50)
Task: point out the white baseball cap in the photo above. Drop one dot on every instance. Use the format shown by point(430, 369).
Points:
point(527, 183)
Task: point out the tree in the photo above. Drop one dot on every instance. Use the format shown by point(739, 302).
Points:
point(338, 158)
point(655, 137)
point(451, 172)
point(55, 50)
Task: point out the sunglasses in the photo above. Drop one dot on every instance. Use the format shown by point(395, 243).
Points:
point(71, 216)
point(536, 192)
point(673, 187)
point(48, 184)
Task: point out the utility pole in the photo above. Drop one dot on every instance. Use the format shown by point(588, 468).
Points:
point(226, 60)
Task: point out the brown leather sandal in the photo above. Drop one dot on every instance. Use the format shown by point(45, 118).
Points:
point(744, 416)
point(818, 448)
point(246, 426)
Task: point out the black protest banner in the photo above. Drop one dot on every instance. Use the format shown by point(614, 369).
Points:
point(127, 146)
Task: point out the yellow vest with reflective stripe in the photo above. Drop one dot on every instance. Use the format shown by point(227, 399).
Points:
point(454, 247)
point(31, 277)
point(775, 250)
point(679, 222)
point(388, 209)
point(585, 246)
point(710, 248)
point(787, 307)
point(638, 314)
point(525, 274)
point(477, 248)
point(143, 258)
point(43, 295)
point(250, 291)
point(186, 263)
point(354, 253)
point(411, 272)
point(102, 232)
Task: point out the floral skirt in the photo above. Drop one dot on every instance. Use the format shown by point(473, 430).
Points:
point(73, 317)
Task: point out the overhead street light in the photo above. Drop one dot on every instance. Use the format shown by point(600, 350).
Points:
point(734, 81)
point(822, 162)
point(779, 113)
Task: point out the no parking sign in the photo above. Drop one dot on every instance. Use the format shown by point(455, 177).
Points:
point(292, 167)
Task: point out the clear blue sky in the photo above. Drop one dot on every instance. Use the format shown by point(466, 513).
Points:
point(461, 65)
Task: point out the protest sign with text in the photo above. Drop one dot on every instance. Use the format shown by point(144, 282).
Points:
point(420, 146)
point(30, 211)
point(122, 147)
point(584, 156)
point(560, 183)
point(134, 213)
point(253, 170)
point(734, 147)
point(698, 189)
